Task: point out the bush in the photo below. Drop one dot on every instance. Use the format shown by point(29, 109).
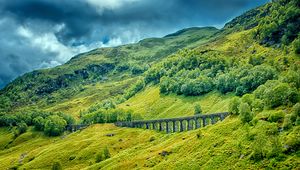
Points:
point(22, 127)
point(136, 69)
point(296, 46)
point(56, 166)
point(292, 140)
point(296, 109)
point(280, 94)
point(102, 155)
point(39, 123)
point(248, 98)
point(226, 83)
point(54, 125)
point(106, 153)
point(234, 106)
point(276, 117)
point(257, 105)
point(138, 86)
point(259, 150)
point(99, 157)
point(197, 109)
point(287, 123)
point(245, 113)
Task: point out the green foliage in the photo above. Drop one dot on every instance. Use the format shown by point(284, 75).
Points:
point(245, 113)
point(257, 105)
point(275, 93)
point(280, 24)
point(22, 127)
point(54, 125)
point(107, 116)
point(137, 69)
point(103, 155)
point(39, 123)
point(256, 60)
point(292, 77)
point(99, 157)
point(138, 86)
point(296, 109)
point(233, 107)
point(259, 151)
point(106, 153)
point(197, 109)
point(248, 98)
point(296, 46)
point(226, 82)
point(287, 123)
point(56, 166)
point(292, 140)
point(276, 116)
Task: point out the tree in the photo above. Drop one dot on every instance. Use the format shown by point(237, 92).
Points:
point(234, 106)
point(226, 83)
point(245, 113)
point(281, 94)
point(54, 125)
point(197, 109)
point(39, 123)
point(22, 127)
point(296, 46)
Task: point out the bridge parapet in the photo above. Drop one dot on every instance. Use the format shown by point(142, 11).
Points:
point(176, 124)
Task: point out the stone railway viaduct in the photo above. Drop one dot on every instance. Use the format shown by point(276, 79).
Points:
point(169, 125)
point(176, 124)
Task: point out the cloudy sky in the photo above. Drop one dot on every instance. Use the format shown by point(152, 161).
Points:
point(44, 33)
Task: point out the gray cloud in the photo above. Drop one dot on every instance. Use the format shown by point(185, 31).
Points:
point(44, 33)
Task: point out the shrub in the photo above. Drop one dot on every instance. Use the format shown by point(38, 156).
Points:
point(226, 83)
point(197, 109)
point(138, 86)
point(296, 109)
point(99, 157)
point(281, 94)
point(276, 147)
point(136, 69)
point(56, 166)
point(248, 98)
point(152, 138)
point(257, 105)
point(287, 123)
point(276, 116)
point(259, 150)
point(245, 113)
point(292, 140)
point(234, 106)
point(102, 155)
point(22, 127)
point(296, 46)
point(106, 153)
point(39, 123)
point(54, 125)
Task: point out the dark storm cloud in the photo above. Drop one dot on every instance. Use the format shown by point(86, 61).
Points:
point(43, 33)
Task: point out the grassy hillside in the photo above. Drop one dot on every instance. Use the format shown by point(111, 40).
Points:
point(226, 145)
point(152, 105)
point(250, 68)
point(85, 73)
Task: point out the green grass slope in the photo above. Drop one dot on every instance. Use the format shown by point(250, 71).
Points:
point(86, 72)
point(153, 105)
point(225, 145)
